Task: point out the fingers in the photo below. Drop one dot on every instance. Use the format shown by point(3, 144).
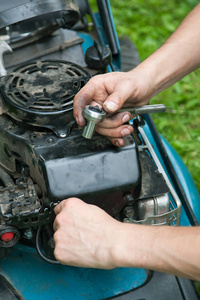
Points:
point(109, 91)
point(79, 230)
point(81, 99)
point(93, 91)
point(115, 120)
point(114, 128)
point(118, 132)
point(58, 207)
point(119, 142)
point(65, 206)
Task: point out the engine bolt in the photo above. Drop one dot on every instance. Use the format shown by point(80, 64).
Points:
point(129, 199)
point(128, 211)
point(50, 140)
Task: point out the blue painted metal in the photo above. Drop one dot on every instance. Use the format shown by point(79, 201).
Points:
point(87, 41)
point(185, 178)
point(36, 279)
point(118, 58)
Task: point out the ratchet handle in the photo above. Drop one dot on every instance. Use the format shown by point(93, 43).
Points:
point(145, 109)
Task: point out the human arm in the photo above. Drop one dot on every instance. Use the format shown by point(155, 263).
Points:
point(178, 56)
point(86, 236)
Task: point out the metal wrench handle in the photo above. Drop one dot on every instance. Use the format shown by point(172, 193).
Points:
point(145, 109)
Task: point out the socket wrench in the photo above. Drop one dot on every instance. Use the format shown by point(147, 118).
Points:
point(95, 115)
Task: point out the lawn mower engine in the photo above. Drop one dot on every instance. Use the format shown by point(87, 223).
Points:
point(44, 158)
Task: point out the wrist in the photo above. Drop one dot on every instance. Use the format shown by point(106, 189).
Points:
point(144, 82)
point(135, 247)
point(125, 248)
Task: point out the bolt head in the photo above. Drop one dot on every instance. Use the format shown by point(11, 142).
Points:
point(50, 140)
point(128, 211)
point(129, 199)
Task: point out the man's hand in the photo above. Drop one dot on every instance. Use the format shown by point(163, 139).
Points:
point(177, 57)
point(112, 91)
point(85, 235)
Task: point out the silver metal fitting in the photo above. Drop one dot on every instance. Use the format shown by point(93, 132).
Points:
point(93, 115)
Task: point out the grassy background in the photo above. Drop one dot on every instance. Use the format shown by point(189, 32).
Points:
point(149, 24)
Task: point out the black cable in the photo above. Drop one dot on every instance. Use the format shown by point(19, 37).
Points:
point(112, 67)
point(41, 254)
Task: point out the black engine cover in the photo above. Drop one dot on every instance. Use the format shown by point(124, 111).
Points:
point(95, 171)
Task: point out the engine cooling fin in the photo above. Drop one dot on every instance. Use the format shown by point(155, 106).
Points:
point(42, 89)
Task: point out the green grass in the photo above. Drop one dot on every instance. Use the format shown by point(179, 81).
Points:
point(149, 24)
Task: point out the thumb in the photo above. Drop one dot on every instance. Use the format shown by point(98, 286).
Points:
point(114, 102)
point(122, 92)
point(82, 98)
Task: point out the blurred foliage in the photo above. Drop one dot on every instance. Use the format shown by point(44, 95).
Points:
point(149, 24)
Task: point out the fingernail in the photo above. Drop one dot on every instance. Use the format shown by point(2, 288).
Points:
point(76, 120)
point(111, 106)
point(126, 118)
point(125, 131)
point(117, 144)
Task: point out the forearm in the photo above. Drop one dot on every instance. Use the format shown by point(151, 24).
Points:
point(177, 57)
point(173, 250)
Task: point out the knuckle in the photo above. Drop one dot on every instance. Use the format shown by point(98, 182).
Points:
point(94, 81)
point(57, 253)
point(58, 220)
point(56, 237)
point(65, 203)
